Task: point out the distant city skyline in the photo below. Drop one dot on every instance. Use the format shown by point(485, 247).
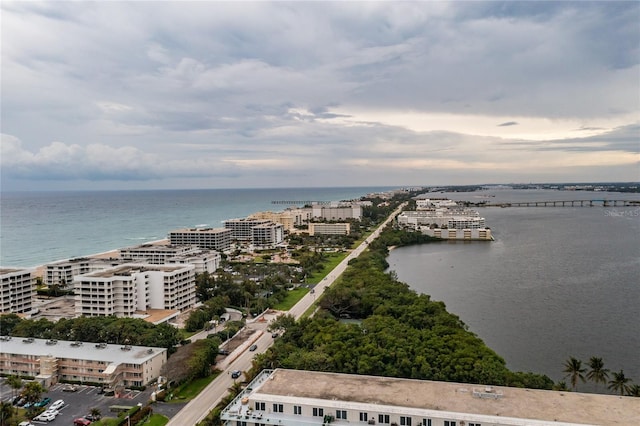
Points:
point(171, 95)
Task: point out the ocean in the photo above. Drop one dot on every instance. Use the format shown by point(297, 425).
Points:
point(43, 227)
point(556, 282)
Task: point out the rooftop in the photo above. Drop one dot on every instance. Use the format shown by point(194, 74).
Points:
point(552, 406)
point(116, 354)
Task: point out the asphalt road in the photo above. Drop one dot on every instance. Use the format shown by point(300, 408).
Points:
point(198, 408)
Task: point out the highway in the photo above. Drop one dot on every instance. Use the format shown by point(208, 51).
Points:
point(198, 408)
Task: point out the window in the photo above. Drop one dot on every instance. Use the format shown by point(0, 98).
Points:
point(341, 414)
point(475, 424)
point(297, 409)
point(318, 412)
point(260, 406)
point(405, 421)
point(383, 418)
point(426, 422)
point(449, 423)
point(364, 417)
point(279, 408)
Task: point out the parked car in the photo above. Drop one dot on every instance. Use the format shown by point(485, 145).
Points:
point(52, 411)
point(45, 417)
point(57, 405)
point(70, 388)
point(28, 405)
point(223, 352)
point(91, 417)
point(235, 374)
point(42, 402)
point(25, 424)
point(253, 348)
point(81, 422)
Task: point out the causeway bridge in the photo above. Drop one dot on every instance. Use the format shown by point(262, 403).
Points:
point(558, 203)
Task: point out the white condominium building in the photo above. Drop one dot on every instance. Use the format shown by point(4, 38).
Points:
point(16, 291)
point(352, 211)
point(441, 218)
point(62, 272)
point(290, 218)
point(51, 361)
point(298, 398)
point(430, 203)
point(242, 229)
point(206, 238)
point(129, 288)
point(322, 228)
point(159, 254)
point(458, 234)
point(267, 234)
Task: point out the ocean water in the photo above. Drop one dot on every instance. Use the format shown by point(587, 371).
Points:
point(42, 227)
point(555, 283)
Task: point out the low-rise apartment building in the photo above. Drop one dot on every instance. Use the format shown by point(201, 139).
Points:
point(442, 218)
point(129, 288)
point(52, 361)
point(329, 228)
point(458, 234)
point(338, 212)
point(298, 398)
point(289, 218)
point(16, 290)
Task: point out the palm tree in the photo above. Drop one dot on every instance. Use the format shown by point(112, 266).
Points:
point(574, 369)
point(634, 390)
point(597, 373)
point(6, 413)
point(14, 383)
point(95, 412)
point(619, 383)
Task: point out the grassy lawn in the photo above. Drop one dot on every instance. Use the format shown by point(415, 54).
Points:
point(333, 259)
point(157, 420)
point(292, 298)
point(191, 389)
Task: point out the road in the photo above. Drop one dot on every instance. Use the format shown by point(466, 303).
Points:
point(198, 408)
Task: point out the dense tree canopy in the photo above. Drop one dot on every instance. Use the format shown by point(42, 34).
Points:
point(390, 331)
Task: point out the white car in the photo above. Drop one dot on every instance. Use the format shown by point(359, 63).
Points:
point(52, 411)
point(45, 417)
point(57, 405)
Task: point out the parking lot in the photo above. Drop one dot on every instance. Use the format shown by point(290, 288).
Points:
point(80, 402)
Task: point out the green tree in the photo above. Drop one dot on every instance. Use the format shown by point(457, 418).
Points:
point(33, 391)
point(96, 413)
point(619, 383)
point(6, 413)
point(597, 373)
point(15, 383)
point(574, 369)
point(634, 390)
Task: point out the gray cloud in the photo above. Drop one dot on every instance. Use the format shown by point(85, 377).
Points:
point(226, 93)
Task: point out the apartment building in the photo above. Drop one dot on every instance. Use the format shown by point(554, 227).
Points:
point(242, 229)
point(292, 397)
point(458, 234)
point(62, 272)
point(52, 361)
point(338, 212)
point(334, 228)
point(16, 290)
point(442, 218)
point(158, 254)
point(205, 238)
point(430, 203)
point(129, 288)
point(289, 218)
point(267, 234)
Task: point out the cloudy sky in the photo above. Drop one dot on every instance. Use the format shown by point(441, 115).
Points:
point(139, 94)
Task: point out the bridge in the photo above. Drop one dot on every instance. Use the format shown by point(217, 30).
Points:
point(558, 203)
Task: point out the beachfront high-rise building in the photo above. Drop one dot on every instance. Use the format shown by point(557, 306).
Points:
point(242, 229)
point(337, 212)
point(131, 289)
point(205, 238)
point(159, 254)
point(289, 218)
point(62, 272)
point(267, 234)
point(16, 290)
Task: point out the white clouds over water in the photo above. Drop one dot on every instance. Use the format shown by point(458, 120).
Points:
point(243, 94)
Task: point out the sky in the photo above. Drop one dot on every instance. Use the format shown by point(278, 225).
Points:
point(205, 94)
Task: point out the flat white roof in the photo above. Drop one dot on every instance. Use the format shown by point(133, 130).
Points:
point(542, 405)
point(79, 350)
